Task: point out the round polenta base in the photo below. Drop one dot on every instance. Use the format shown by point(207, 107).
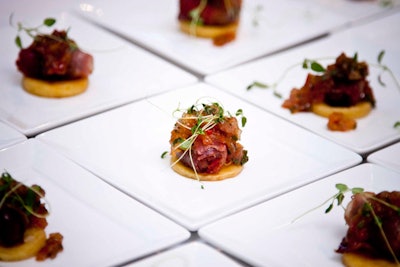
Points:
point(34, 240)
point(360, 110)
point(357, 260)
point(54, 89)
point(207, 31)
point(226, 172)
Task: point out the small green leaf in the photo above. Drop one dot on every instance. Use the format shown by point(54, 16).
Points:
point(178, 140)
point(305, 64)
point(18, 42)
point(380, 81)
point(340, 198)
point(185, 144)
point(342, 187)
point(239, 112)
point(380, 56)
point(49, 22)
point(164, 154)
point(355, 57)
point(329, 208)
point(396, 124)
point(357, 190)
point(244, 121)
point(315, 66)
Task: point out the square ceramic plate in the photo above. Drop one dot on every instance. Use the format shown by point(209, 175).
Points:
point(9, 136)
point(122, 73)
point(154, 25)
point(374, 130)
point(388, 157)
point(124, 147)
point(101, 226)
point(273, 234)
point(194, 254)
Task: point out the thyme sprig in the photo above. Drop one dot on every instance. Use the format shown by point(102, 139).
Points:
point(9, 192)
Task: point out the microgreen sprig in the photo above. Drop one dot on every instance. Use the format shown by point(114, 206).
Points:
point(30, 31)
point(338, 197)
point(33, 32)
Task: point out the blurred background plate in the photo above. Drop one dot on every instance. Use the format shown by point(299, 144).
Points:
point(153, 24)
point(122, 73)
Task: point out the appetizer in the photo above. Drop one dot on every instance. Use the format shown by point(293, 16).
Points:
point(53, 65)
point(215, 19)
point(373, 236)
point(204, 143)
point(342, 90)
point(23, 222)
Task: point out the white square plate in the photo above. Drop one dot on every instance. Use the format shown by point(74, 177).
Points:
point(122, 73)
point(270, 235)
point(101, 226)
point(193, 254)
point(374, 130)
point(388, 157)
point(154, 25)
point(9, 136)
point(124, 147)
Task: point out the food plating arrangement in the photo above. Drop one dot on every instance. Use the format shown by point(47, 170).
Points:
point(200, 133)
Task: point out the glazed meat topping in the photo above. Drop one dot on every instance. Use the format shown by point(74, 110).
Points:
point(54, 57)
point(216, 12)
point(363, 235)
point(212, 149)
point(343, 84)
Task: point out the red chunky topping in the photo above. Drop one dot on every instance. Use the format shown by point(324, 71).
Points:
point(215, 12)
point(212, 149)
point(363, 215)
point(54, 57)
point(343, 84)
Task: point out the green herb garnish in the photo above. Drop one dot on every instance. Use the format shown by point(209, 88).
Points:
point(206, 117)
point(34, 32)
point(9, 193)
